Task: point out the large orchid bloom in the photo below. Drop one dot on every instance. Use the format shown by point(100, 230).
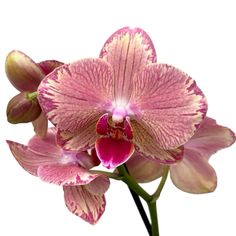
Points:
point(123, 102)
point(25, 75)
point(83, 190)
point(193, 173)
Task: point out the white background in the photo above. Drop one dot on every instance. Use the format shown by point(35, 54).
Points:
point(198, 37)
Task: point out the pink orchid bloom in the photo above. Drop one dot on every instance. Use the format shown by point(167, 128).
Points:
point(83, 190)
point(25, 75)
point(123, 102)
point(193, 173)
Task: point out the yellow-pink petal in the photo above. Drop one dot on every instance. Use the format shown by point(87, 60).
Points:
point(84, 204)
point(169, 103)
point(76, 95)
point(147, 145)
point(127, 50)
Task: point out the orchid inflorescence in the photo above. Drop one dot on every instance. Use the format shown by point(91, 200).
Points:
point(124, 111)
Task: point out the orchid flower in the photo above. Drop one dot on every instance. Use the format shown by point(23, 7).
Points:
point(193, 173)
point(122, 102)
point(25, 75)
point(83, 190)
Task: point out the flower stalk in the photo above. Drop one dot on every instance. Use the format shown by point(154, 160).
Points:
point(157, 194)
point(137, 191)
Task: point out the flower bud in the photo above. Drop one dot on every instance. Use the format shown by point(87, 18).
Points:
point(23, 72)
point(23, 109)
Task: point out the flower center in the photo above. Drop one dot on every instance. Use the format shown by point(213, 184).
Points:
point(118, 127)
point(118, 114)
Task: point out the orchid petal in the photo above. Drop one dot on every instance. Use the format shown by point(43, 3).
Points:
point(210, 137)
point(76, 95)
point(193, 174)
point(127, 50)
point(169, 103)
point(102, 125)
point(40, 125)
point(30, 160)
point(84, 204)
point(45, 146)
point(113, 152)
point(81, 140)
point(65, 174)
point(148, 147)
point(99, 185)
point(23, 72)
point(49, 65)
point(144, 170)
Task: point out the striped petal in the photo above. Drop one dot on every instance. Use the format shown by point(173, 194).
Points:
point(61, 174)
point(46, 146)
point(83, 203)
point(76, 95)
point(23, 72)
point(127, 50)
point(49, 65)
point(169, 103)
point(113, 152)
point(193, 174)
point(143, 170)
point(210, 138)
point(81, 140)
point(30, 160)
point(148, 147)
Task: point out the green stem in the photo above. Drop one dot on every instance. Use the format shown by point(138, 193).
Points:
point(32, 95)
point(109, 174)
point(133, 184)
point(154, 220)
point(157, 194)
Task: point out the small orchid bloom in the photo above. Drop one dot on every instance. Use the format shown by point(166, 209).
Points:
point(83, 190)
point(123, 102)
point(25, 75)
point(193, 173)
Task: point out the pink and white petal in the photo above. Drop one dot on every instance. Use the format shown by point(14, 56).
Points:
point(81, 140)
point(30, 160)
point(40, 125)
point(170, 104)
point(113, 152)
point(193, 174)
point(210, 138)
point(65, 174)
point(22, 71)
point(84, 204)
point(127, 50)
point(76, 95)
point(148, 147)
point(47, 145)
point(143, 170)
point(49, 65)
point(99, 185)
